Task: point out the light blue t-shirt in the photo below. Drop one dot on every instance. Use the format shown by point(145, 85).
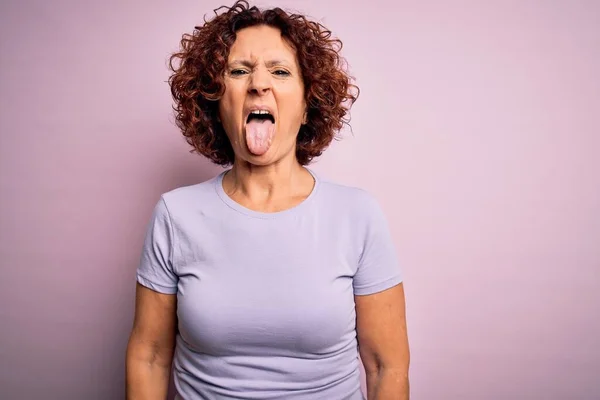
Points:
point(265, 301)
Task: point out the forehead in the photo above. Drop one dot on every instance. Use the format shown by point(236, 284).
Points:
point(261, 42)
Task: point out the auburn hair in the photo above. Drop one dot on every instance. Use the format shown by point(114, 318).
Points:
point(197, 81)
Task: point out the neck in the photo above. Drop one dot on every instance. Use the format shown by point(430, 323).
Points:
point(268, 188)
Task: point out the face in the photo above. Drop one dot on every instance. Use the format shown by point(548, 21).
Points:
point(263, 105)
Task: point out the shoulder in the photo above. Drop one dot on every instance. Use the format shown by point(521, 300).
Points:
point(189, 198)
point(357, 201)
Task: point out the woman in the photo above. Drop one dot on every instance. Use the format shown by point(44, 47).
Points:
point(266, 282)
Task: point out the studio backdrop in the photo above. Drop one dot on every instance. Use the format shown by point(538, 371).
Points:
point(476, 128)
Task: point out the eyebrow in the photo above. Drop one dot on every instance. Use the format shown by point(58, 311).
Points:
point(250, 64)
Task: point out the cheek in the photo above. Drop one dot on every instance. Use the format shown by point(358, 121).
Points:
point(229, 110)
point(293, 105)
point(232, 98)
point(225, 104)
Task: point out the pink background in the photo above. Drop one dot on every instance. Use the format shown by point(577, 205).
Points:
point(477, 128)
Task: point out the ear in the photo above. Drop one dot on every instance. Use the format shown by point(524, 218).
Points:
point(305, 118)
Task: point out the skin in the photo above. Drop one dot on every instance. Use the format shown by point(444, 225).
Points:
point(151, 345)
point(383, 343)
point(263, 69)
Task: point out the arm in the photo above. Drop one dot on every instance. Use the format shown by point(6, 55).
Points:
point(151, 345)
point(383, 343)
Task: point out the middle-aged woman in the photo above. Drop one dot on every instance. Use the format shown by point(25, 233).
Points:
point(266, 281)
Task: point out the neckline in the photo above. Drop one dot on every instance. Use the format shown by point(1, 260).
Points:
point(260, 214)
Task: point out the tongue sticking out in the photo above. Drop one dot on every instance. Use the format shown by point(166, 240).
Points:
point(259, 135)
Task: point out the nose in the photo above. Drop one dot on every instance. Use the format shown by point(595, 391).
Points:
point(260, 82)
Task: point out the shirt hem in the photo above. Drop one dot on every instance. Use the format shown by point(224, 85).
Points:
point(379, 287)
point(155, 286)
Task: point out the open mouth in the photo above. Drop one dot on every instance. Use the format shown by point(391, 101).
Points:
point(260, 116)
point(260, 130)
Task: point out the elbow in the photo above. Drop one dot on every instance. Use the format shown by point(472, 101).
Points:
point(149, 354)
point(376, 364)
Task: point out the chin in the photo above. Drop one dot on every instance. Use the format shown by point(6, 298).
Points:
point(263, 160)
point(272, 156)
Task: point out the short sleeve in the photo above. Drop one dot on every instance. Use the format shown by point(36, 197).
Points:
point(378, 267)
point(155, 270)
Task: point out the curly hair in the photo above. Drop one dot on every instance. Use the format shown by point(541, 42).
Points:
point(197, 82)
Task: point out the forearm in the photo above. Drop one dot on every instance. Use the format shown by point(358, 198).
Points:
point(388, 384)
point(146, 379)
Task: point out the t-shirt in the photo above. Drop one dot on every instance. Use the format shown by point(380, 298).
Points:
point(265, 301)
